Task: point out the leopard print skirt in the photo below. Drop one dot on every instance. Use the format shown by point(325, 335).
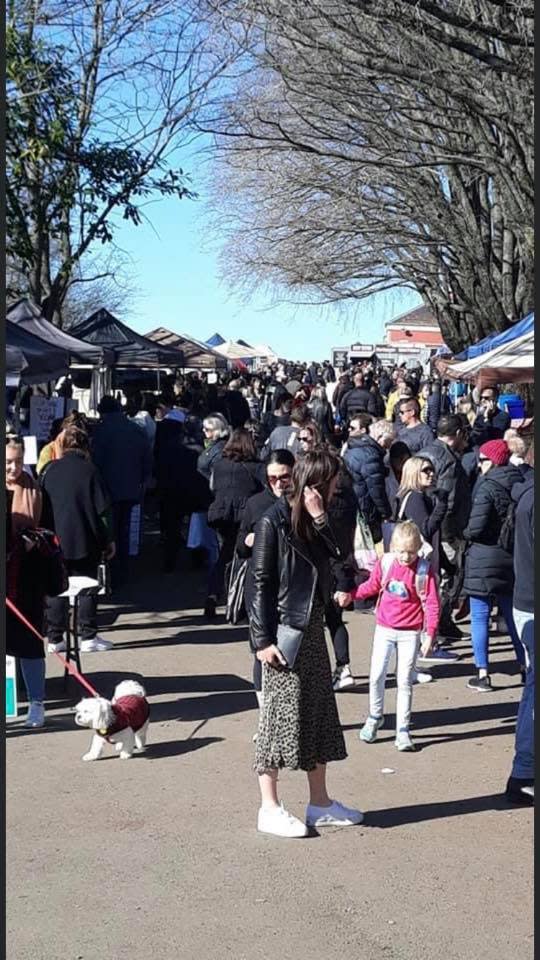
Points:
point(299, 723)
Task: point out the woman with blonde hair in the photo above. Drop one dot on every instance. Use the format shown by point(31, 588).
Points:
point(418, 500)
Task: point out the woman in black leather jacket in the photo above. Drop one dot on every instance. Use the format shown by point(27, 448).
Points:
point(290, 583)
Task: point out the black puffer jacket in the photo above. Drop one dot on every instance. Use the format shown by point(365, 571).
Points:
point(364, 458)
point(488, 568)
point(285, 574)
point(450, 476)
point(232, 484)
point(357, 400)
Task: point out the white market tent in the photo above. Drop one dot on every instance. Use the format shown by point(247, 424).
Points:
point(511, 362)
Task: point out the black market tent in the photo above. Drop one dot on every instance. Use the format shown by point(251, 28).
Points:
point(197, 355)
point(130, 348)
point(28, 316)
point(30, 359)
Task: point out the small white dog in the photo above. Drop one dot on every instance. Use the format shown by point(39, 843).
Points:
point(122, 721)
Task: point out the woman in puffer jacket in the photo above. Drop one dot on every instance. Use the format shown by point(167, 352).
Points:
point(489, 568)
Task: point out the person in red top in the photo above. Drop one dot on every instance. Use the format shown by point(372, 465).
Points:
point(407, 610)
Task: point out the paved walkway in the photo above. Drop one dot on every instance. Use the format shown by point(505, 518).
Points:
point(159, 857)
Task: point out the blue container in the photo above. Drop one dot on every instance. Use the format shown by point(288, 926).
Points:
point(513, 404)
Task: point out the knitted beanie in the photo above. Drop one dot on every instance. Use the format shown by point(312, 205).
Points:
point(497, 451)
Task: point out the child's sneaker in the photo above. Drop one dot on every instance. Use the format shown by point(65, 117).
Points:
point(404, 742)
point(369, 731)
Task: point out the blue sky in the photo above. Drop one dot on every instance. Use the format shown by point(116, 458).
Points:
point(179, 287)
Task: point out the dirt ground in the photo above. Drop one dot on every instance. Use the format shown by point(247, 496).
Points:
point(159, 856)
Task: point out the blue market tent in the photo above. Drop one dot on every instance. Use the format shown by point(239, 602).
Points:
point(518, 329)
point(215, 341)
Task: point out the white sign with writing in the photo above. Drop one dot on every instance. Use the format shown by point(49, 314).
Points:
point(44, 410)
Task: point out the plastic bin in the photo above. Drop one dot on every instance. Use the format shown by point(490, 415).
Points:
point(513, 404)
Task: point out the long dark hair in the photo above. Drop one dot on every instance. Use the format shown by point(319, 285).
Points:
point(317, 469)
point(240, 447)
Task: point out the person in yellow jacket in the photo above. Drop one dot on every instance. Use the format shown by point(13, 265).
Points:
point(401, 392)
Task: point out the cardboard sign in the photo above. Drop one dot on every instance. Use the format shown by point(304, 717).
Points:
point(11, 687)
point(44, 410)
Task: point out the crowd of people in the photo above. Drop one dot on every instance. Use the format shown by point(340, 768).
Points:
point(366, 488)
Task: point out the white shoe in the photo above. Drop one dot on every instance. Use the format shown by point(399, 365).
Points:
point(421, 676)
point(404, 743)
point(57, 647)
point(277, 821)
point(369, 731)
point(336, 815)
point(95, 644)
point(36, 715)
point(342, 678)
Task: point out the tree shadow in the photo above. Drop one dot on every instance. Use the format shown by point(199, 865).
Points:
point(416, 813)
point(176, 748)
point(223, 634)
point(451, 716)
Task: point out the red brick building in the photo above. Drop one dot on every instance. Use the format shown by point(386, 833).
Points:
point(417, 328)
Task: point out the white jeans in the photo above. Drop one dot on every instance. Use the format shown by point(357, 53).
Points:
point(405, 644)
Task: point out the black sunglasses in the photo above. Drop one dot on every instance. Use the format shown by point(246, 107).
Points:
point(427, 470)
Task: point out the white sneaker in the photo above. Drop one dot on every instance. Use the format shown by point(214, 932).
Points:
point(403, 742)
point(57, 647)
point(336, 815)
point(95, 644)
point(421, 676)
point(36, 715)
point(277, 821)
point(342, 678)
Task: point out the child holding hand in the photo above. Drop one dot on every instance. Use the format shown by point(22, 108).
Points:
point(406, 615)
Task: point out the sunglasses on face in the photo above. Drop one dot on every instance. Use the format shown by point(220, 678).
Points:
point(282, 478)
point(488, 399)
point(305, 439)
point(427, 470)
point(483, 459)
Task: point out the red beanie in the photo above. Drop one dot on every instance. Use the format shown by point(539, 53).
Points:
point(497, 451)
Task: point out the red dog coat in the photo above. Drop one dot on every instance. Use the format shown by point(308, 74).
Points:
point(128, 712)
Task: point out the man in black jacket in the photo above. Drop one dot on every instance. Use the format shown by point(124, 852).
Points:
point(234, 406)
point(445, 455)
point(491, 422)
point(364, 458)
point(357, 400)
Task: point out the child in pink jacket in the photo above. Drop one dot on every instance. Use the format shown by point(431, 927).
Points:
point(406, 615)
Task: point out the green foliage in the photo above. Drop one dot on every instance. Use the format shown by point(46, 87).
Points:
point(64, 185)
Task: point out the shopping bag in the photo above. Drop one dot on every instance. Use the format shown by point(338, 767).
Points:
point(201, 535)
point(365, 554)
point(235, 610)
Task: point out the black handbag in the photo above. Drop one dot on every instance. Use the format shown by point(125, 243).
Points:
point(235, 611)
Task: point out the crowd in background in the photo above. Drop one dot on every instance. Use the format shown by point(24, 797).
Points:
point(309, 477)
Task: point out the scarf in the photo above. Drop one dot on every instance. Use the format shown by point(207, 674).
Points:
point(26, 506)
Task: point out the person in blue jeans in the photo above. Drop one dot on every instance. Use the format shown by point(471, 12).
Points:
point(520, 786)
point(489, 567)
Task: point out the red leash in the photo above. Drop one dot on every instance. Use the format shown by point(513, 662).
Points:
point(67, 663)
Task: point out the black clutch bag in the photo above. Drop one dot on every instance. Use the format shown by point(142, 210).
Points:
point(288, 641)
